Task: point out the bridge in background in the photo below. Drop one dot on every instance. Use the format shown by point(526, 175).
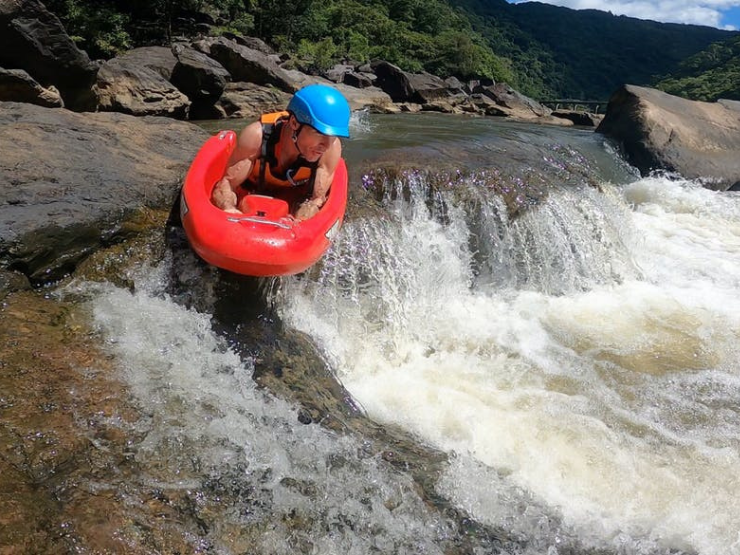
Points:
point(592, 106)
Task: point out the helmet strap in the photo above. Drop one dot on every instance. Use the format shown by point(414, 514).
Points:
point(297, 132)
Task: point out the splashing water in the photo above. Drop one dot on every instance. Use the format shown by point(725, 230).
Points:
point(257, 477)
point(580, 361)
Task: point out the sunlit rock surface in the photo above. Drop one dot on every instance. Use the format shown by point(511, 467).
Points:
point(659, 131)
point(96, 173)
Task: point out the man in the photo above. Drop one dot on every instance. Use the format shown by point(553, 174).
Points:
point(289, 155)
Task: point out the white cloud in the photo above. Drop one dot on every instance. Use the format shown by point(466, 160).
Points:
point(703, 12)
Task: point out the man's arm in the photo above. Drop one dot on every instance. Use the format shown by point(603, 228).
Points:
point(247, 150)
point(322, 182)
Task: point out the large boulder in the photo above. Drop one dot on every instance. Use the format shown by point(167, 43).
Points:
point(246, 64)
point(584, 119)
point(248, 101)
point(18, 86)
point(502, 100)
point(659, 131)
point(250, 42)
point(358, 79)
point(336, 74)
point(126, 86)
point(393, 80)
point(158, 58)
point(200, 77)
point(372, 98)
point(33, 39)
point(72, 182)
point(402, 86)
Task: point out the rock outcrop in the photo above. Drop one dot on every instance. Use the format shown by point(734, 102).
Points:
point(200, 77)
point(658, 131)
point(33, 39)
point(74, 182)
point(17, 85)
point(158, 58)
point(246, 64)
point(126, 86)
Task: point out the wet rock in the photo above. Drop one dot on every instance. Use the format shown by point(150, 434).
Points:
point(18, 86)
point(126, 86)
point(658, 131)
point(56, 394)
point(97, 172)
point(33, 39)
point(12, 281)
point(69, 478)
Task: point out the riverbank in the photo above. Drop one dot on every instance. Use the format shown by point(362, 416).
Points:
point(215, 77)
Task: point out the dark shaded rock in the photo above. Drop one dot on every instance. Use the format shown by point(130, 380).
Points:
point(33, 39)
point(359, 80)
point(18, 86)
point(402, 86)
point(246, 64)
point(428, 87)
point(658, 131)
point(394, 81)
point(158, 58)
point(97, 172)
point(128, 87)
point(584, 119)
point(200, 77)
point(12, 281)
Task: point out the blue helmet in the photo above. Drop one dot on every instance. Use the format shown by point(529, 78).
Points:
point(323, 108)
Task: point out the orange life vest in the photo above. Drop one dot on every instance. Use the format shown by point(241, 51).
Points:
point(262, 175)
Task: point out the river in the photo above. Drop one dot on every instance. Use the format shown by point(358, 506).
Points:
point(577, 362)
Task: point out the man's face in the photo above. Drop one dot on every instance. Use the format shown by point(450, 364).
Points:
point(311, 143)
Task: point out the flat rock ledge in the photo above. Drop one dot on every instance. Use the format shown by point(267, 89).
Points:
point(74, 182)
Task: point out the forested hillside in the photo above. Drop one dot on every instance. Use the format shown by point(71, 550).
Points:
point(543, 51)
point(586, 53)
point(709, 75)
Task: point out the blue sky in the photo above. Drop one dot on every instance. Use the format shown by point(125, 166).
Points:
point(723, 14)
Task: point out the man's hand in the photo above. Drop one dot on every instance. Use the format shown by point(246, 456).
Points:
point(307, 209)
point(224, 197)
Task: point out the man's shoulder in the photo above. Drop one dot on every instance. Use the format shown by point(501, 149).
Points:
point(250, 139)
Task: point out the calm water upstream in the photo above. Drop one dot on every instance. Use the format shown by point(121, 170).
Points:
point(579, 363)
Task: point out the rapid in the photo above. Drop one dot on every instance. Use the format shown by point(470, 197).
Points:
point(577, 361)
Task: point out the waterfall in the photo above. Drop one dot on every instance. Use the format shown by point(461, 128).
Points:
point(578, 361)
